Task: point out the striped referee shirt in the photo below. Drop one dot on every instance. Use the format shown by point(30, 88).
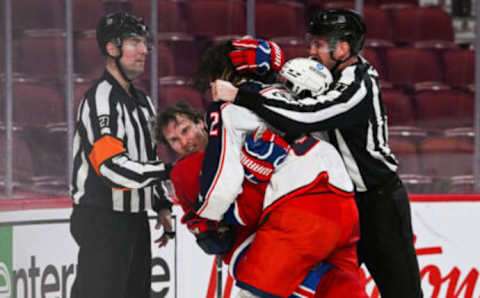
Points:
point(353, 113)
point(115, 164)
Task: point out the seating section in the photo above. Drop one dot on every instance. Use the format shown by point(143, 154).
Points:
point(426, 78)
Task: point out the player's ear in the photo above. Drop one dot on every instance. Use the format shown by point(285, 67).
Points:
point(112, 49)
point(201, 124)
point(343, 50)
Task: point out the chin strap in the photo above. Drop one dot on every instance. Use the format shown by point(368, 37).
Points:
point(337, 61)
point(332, 48)
point(117, 62)
point(120, 69)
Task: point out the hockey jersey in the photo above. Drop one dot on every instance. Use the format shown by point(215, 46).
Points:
point(222, 176)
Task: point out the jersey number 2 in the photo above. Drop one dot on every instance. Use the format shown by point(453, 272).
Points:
point(215, 117)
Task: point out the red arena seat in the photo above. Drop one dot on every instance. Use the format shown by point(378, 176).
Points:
point(374, 59)
point(378, 23)
point(23, 165)
point(399, 107)
point(41, 53)
point(396, 4)
point(443, 109)
point(88, 60)
point(288, 18)
point(405, 150)
point(292, 46)
point(174, 89)
point(86, 14)
point(80, 87)
point(37, 103)
point(459, 67)
point(444, 156)
point(184, 52)
point(462, 184)
point(172, 14)
point(421, 23)
point(407, 66)
point(334, 4)
point(210, 17)
point(45, 14)
point(165, 62)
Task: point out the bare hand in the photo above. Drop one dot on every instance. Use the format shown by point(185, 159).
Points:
point(223, 91)
point(164, 219)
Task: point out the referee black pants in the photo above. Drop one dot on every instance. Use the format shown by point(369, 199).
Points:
point(114, 259)
point(386, 241)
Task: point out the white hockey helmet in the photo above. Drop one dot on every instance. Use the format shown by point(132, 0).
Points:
point(305, 77)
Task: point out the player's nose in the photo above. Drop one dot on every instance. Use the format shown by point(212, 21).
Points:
point(183, 141)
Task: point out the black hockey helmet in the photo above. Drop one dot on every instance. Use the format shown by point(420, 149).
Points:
point(115, 27)
point(339, 25)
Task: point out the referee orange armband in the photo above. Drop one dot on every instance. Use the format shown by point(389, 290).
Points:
point(103, 149)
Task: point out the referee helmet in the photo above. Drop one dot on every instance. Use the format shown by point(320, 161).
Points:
point(115, 27)
point(340, 25)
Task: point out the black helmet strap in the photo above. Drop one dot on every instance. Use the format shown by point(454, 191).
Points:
point(119, 44)
point(120, 69)
point(332, 45)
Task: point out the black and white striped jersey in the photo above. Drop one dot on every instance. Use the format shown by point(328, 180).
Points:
point(115, 164)
point(353, 113)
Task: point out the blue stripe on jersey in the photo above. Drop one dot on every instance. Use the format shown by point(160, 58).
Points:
point(313, 278)
point(213, 157)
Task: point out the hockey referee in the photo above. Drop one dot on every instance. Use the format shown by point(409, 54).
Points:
point(353, 113)
point(116, 171)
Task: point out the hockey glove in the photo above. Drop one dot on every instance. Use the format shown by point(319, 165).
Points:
point(256, 55)
point(212, 237)
point(262, 153)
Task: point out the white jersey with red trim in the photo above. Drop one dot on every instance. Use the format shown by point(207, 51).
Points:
point(222, 172)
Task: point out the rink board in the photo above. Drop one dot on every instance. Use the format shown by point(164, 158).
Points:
point(38, 254)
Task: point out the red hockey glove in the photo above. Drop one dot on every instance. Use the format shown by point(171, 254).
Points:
point(262, 153)
point(256, 55)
